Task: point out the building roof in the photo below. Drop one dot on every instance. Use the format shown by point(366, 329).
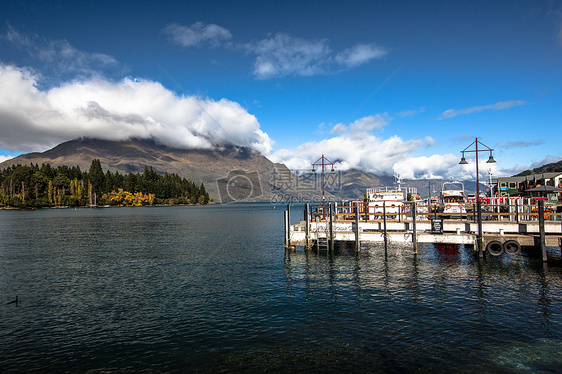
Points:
point(551, 175)
point(544, 189)
point(511, 179)
point(543, 175)
point(530, 177)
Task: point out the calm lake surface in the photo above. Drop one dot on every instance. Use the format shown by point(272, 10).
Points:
point(211, 289)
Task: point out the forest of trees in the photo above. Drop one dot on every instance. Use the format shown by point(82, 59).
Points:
point(45, 186)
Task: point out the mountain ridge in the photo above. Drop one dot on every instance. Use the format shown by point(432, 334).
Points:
point(230, 173)
point(552, 167)
point(198, 165)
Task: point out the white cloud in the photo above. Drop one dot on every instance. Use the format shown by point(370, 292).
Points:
point(16, 38)
point(497, 106)
point(443, 167)
point(547, 160)
point(411, 112)
point(360, 54)
point(362, 126)
point(5, 158)
point(283, 55)
point(429, 167)
point(197, 34)
point(519, 144)
point(58, 57)
point(354, 148)
point(280, 54)
point(32, 119)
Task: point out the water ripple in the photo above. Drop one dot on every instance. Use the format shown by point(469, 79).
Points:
point(210, 289)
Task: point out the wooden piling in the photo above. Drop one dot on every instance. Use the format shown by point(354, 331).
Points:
point(307, 225)
point(541, 229)
point(414, 237)
point(357, 239)
point(384, 223)
point(287, 229)
point(479, 224)
point(288, 225)
point(331, 228)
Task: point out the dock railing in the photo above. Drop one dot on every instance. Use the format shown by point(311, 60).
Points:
point(400, 210)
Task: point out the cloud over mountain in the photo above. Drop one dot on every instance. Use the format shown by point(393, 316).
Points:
point(82, 102)
point(354, 146)
point(33, 119)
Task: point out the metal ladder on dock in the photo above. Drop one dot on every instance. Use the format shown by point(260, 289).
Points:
point(322, 242)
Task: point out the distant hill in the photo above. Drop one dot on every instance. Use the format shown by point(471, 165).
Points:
point(214, 168)
point(548, 168)
point(355, 182)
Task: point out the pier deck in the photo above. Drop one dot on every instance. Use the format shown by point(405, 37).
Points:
point(454, 232)
point(326, 230)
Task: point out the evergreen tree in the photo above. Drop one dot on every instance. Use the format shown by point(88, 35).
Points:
point(97, 177)
point(22, 185)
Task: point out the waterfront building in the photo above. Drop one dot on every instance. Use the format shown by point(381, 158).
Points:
point(545, 185)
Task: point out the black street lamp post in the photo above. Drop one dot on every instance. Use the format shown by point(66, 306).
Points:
point(478, 204)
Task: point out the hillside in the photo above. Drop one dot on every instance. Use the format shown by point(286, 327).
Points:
point(548, 168)
point(249, 172)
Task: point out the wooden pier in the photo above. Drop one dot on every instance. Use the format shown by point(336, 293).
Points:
point(502, 230)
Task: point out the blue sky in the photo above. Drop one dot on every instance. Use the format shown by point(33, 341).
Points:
point(387, 87)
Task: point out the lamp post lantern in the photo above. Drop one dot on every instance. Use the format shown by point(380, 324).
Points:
point(463, 161)
point(323, 162)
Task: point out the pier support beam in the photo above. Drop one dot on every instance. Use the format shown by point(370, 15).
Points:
point(331, 243)
point(307, 225)
point(287, 228)
point(541, 230)
point(384, 222)
point(414, 236)
point(357, 239)
point(479, 217)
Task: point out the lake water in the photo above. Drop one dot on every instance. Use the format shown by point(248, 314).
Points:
point(211, 289)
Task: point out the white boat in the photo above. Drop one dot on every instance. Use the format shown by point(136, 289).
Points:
point(453, 197)
point(390, 199)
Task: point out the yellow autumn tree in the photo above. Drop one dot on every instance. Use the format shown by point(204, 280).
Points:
point(123, 198)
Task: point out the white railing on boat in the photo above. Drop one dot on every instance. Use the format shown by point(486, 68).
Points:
point(412, 190)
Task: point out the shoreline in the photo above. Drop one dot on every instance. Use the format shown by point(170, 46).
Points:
point(98, 206)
